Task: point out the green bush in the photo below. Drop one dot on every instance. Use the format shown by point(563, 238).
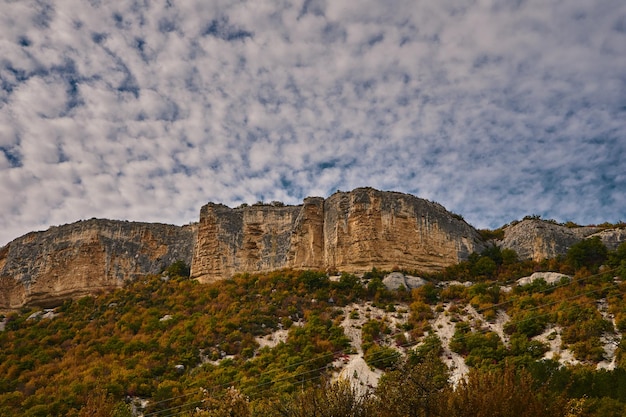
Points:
point(178, 269)
point(589, 253)
point(382, 357)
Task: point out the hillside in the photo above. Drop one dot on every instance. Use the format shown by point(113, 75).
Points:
point(261, 343)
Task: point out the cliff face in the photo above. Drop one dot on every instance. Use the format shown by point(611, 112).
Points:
point(44, 268)
point(540, 239)
point(612, 238)
point(350, 232)
point(366, 228)
point(247, 239)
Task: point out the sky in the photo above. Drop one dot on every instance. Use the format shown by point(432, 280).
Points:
point(145, 110)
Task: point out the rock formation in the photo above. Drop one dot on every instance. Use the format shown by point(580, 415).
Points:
point(397, 280)
point(350, 231)
point(540, 239)
point(612, 238)
point(548, 277)
point(247, 239)
point(45, 268)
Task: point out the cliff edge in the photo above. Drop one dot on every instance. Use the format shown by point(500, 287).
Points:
point(348, 231)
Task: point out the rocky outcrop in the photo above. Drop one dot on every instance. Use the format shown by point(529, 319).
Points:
point(350, 231)
point(540, 239)
point(246, 239)
point(45, 268)
point(366, 228)
point(612, 238)
point(548, 277)
point(397, 280)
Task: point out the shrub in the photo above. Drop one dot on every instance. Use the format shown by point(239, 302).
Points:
point(589, 253)
point(327, 400)
point(314, 280)
point(486, 234)
point(503, 392)
point(178, 269)
point(382, 357)
point(413, 389)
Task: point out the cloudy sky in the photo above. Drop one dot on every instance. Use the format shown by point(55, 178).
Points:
point(148, 109)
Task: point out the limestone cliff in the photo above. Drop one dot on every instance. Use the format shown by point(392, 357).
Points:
point(350, 231)
point(245, 239)
point(539, 239)
point(366, 228)
point(47, 267)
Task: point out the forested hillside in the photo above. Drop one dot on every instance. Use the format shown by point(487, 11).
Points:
point(277, 343)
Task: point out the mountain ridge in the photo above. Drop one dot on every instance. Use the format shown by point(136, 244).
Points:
point(348, 231)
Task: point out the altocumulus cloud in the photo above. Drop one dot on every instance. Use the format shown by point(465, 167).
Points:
point(147, 110)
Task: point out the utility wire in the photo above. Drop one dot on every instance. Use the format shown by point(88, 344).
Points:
point(263, 387)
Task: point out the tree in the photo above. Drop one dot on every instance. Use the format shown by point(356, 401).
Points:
point(327, 400)
point(101, 404)
point(590, 253)
point(502, 393)
point(484, 267)
point(178, 269)
point(381, 357)
point(509, 257)
point(233, 404)
point(617, 259)
point(413, 390)
point(314, 280)
point(431, 345)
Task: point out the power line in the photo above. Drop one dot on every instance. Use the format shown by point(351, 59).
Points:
point(267, 384)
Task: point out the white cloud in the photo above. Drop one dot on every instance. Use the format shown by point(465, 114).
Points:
point(495, 109)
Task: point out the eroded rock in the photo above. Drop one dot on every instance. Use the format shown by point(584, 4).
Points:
point(349, 231)
point(46, 268)
point(548, 277)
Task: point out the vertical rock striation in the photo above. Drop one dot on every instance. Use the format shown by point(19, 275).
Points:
point(350, 231)
point(368, 228)
point(255, 238)
point(306, 244)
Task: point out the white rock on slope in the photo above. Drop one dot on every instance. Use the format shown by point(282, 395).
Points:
point(395, 280)
point(548, 277)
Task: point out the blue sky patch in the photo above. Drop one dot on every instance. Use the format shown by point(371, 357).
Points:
point(222, 29)
point(12, 155)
